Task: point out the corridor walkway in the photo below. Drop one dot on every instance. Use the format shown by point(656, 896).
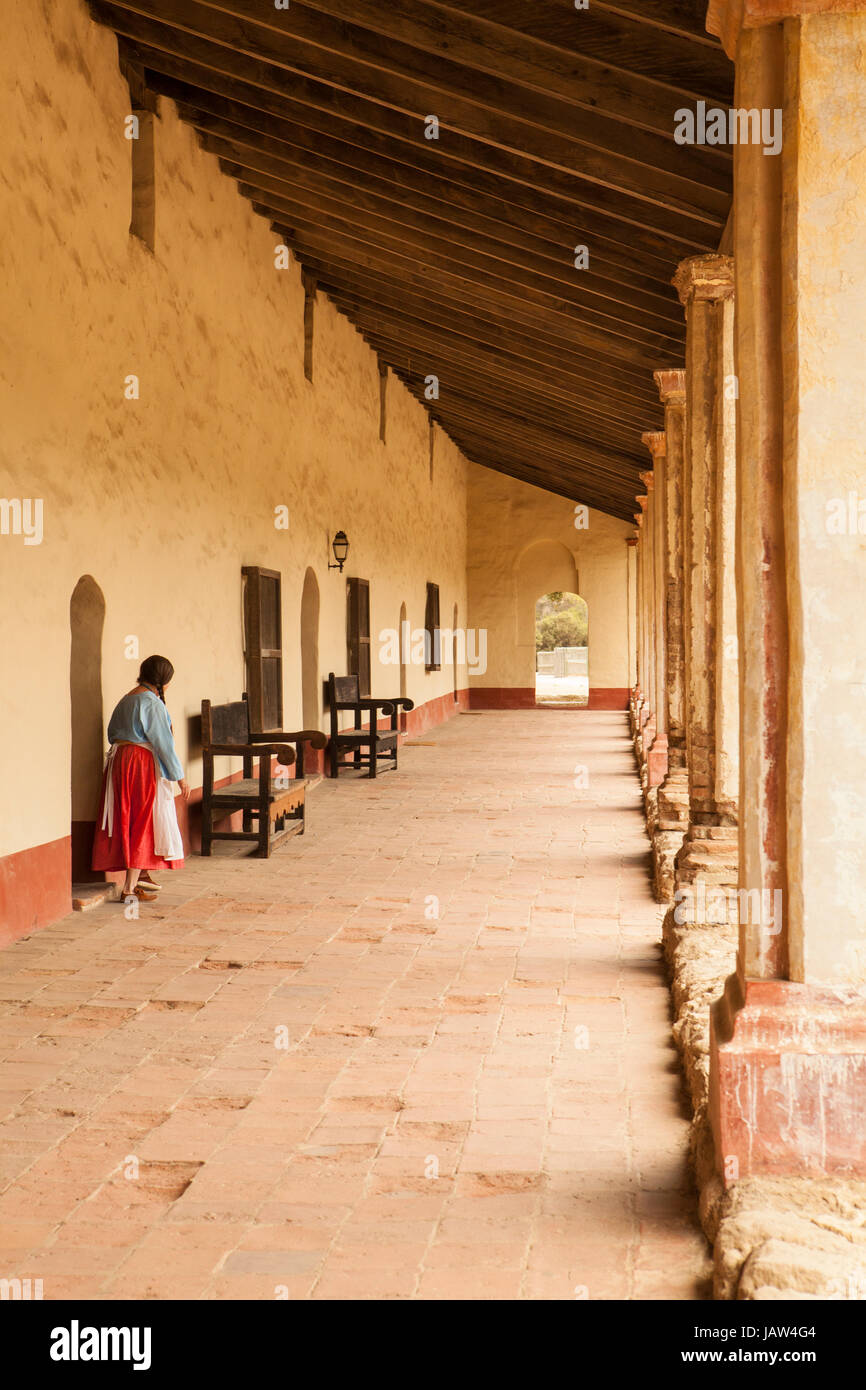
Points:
point(423, 1052)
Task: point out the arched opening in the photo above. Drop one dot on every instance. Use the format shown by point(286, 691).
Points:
point(454, 651)
point(543, 567)
point(310, 693)
point(562, 649)
point(86, 622)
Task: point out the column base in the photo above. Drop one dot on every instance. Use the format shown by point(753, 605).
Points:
point(788, 1080)
point(644, 739)
point(709, 855)
point(666, 846)
point(634, 699)
point(657, 760)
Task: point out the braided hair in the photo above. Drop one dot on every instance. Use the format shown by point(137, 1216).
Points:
point(158, 671)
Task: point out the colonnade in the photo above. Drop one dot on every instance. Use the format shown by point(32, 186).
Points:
point(749, 707)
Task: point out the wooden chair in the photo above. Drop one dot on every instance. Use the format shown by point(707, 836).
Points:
point(344, 693)
point(276, 804)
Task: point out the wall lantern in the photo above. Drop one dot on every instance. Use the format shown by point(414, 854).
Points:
point(340, 547)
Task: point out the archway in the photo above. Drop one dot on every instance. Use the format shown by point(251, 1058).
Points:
point(543, 567)
point(310, 694)
point(562, 650)
point(86, 623)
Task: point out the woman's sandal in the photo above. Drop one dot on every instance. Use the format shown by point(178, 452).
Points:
point(150, 883)
point(139, 892)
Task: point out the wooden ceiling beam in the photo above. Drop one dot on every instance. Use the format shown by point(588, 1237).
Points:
point(637, 249)
point(479, 380)
point(597, 398)
point(572, 485)
point(606, 455)
point(615, 35)
point(437, 350)
point(534, 443)
point(476, 381)
point(576, 424)
point(286, 92)
point(692, 180)
point(322, 176)
point(450, 347)
point(639, 346)
point(612, 263)
point(553, 330)
point(574, 375)
point(515, 58)
point(438, 243)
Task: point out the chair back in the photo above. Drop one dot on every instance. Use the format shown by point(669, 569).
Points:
point(342, 690)
point(225, 723)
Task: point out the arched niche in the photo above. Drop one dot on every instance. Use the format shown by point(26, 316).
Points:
point(310, 690)
point(405, 639)
point(86, 624)
point(455, 650)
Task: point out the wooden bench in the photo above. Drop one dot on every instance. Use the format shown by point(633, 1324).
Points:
point(344, 694)
point(276, 804)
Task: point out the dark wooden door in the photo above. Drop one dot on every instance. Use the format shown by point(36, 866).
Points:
point(263, 632)
point(358, 632)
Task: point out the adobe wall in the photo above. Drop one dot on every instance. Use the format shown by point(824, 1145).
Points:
point(163, 499)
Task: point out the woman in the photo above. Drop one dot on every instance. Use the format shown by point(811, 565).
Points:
point(136, 794)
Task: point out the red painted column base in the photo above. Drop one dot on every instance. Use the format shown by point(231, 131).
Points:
point(657, 761)
point(788, 1080)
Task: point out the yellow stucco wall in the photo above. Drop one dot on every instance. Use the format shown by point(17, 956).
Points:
point(164, 498)
point(523, 542)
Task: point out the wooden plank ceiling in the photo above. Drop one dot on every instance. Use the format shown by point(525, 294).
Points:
point(455, 257)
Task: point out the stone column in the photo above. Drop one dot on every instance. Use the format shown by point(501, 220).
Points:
point(631, 619)
point(673, 794)
point(705, 879)
point(788, 1052)
point(647, 718)
point(657, 750)
point(641, 706)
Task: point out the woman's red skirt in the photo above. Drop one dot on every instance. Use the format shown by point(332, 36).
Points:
point(131, 843)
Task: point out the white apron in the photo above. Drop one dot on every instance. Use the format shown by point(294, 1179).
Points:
point(167, 841)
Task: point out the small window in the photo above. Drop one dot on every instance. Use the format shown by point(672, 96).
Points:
point(432, 635)
point(263, 646)
point(358, 633)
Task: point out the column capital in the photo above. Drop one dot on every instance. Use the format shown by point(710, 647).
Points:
point(647, 480)
point(704, 277)
point(638, 516)
point(726, 19)
point(631, 540)
point(671, 383)
point(657, 443)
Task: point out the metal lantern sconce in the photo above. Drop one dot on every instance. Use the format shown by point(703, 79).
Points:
point(340, 547)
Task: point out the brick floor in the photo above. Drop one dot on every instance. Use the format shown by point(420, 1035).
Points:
point(422, 1052)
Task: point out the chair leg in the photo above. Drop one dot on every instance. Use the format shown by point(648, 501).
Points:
point(374, 760)
point(335, 759)
point(206, 829)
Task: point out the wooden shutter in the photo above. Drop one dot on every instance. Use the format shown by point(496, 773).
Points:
point(263, 653)
point(432, 636)
point(358, 632)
